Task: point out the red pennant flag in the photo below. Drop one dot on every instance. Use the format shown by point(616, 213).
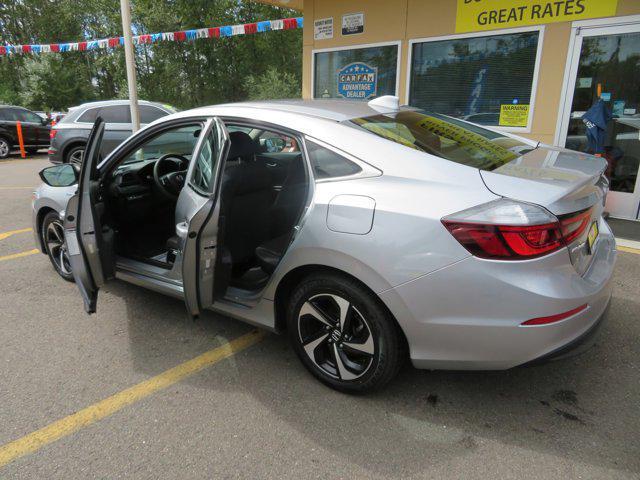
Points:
point(180, 36)
point(144, 39)
point(290, 23)
point(250, 28)
point(3, 50)
point(26, 48)
point(114, 42)
point(82, 46)
point(214, 32)
point(55, 47)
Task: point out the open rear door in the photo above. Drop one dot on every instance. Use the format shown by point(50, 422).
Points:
point(198, 226)
point(86, 241)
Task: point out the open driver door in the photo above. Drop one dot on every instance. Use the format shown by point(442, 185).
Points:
point(89, 244)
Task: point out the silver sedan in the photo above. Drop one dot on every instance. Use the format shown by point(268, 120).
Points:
point(367, 232)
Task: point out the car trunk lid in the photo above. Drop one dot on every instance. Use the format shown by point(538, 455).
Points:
point(571, 185)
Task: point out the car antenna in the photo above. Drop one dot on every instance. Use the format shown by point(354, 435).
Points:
point(385, 104)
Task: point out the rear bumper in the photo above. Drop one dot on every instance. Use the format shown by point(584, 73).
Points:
point(54, 155)
point(578, 345)
point(468, 316)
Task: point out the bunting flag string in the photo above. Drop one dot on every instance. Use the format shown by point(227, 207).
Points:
point(179, 36)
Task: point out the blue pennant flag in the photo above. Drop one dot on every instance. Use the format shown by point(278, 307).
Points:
point(264, 26)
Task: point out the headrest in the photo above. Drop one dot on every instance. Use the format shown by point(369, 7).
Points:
point(242, 145)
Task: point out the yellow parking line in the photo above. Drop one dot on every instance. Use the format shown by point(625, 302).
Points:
point(87, 416)
point(19, 255)
point(628, 249)
point(8, 234)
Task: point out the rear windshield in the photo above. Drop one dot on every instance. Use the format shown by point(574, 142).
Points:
point(445, 137)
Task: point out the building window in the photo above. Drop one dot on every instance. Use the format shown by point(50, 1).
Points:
point(360, 73)
point(486, 79)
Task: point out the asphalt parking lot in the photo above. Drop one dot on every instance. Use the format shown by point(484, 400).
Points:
point(254, 412)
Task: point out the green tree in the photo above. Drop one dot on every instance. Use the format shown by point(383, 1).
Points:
point(184, 74)
point(272, 84)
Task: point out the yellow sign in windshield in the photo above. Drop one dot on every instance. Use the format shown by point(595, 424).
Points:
point(470, 141)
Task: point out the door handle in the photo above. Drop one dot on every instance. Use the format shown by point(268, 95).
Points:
point(182, 229)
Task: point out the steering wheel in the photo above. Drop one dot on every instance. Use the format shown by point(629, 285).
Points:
point(170, 182)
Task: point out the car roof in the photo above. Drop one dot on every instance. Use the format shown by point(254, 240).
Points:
point(106, 103)
point(330, 109)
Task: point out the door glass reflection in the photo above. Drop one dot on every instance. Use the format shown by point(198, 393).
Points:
point(609, 71)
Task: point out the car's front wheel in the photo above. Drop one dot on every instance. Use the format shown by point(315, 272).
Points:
point(55, 246)
point(342, 334)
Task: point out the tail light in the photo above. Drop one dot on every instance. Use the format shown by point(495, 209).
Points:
point(508, 230)
point(574, 225)
point(52, 133)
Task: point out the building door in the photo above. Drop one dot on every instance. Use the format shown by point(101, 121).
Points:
point(605, 66)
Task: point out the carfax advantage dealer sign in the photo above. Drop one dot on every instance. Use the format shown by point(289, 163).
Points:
point(477, 15)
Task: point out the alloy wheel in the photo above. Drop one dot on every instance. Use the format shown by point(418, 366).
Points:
point(336, 336)
point(4, 148)
point(76, 156)
point(56, 247)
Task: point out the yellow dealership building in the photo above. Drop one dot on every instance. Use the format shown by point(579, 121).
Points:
point(532, 67)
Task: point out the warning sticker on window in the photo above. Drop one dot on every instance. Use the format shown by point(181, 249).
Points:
point(514, 115)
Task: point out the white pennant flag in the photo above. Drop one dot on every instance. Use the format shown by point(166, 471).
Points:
point(202, 33)
point(277, 24)
point(237, 30)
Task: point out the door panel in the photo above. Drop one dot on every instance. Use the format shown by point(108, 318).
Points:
point(278, 165)
point(89, 245)
point(198, 214)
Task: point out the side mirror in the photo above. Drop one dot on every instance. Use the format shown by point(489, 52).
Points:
point(275, 144)
point(60, 175)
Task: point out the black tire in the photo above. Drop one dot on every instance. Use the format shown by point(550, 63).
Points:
point(355, 371)
point(54, 245)
point(5, 147)
point(74, 155)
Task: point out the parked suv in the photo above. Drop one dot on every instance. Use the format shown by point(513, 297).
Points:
point(69, 137)
point(35, 130)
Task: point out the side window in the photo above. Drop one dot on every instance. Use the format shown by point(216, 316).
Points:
point(149, 114)
point(273, 142)
point(329, 164)
point(5, 115)
point(27, 116)
point(89, 116)
point(204, 168)
point(116, 114)
point(177, 141)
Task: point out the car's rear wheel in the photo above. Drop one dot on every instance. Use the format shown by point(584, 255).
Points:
point(5, 147)
point(342, 334)
point(74, 155)
point(55, 246)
